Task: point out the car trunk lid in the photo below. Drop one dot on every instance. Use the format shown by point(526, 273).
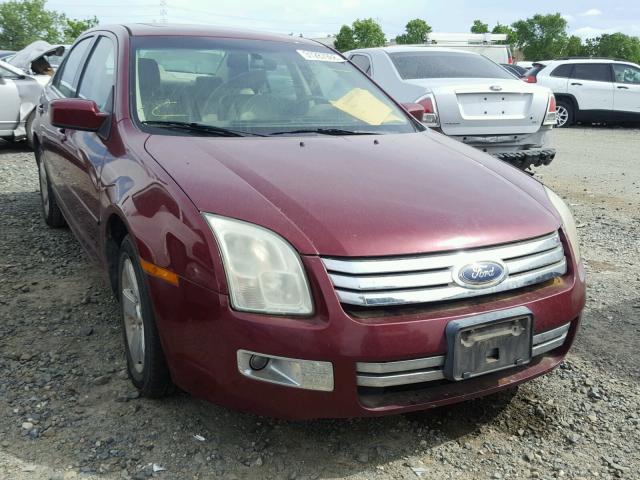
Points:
point(488, 106)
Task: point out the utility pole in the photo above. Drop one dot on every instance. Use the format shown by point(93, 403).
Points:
point(164, 12)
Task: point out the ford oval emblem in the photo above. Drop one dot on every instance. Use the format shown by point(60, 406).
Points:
point(480, 274)
point(495, 88)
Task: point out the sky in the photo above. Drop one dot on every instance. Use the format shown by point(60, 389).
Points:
point(320, 18)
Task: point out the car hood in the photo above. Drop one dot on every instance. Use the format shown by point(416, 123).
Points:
point(32, 52)
point(359, 195)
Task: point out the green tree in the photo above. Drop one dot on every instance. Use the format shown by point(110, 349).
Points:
point(615, 45)
point(415, 31)
point(574, 47)
point(74, 28)
point(364, 33)
point(541, 37)
point(512, 37)
point(345, 39)
point(25, 21)
point(479, 27)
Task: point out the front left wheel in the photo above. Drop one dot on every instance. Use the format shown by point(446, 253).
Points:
point(146, 362)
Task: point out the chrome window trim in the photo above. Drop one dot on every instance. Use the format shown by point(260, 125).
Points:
point(420, 370)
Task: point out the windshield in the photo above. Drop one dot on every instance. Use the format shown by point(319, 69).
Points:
point(413, 65)
point(257, 87)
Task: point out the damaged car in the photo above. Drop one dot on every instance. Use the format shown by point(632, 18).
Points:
point(22, 78)
point(19, 95)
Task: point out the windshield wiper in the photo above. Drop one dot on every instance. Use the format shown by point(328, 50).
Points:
point(325, 131)
point(200, 128)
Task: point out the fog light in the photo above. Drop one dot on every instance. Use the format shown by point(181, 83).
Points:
point(258, 362)
point(289, 372)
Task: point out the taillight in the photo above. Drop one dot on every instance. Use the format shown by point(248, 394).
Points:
point(430, 118)
point(550, 116)
point(531, 79)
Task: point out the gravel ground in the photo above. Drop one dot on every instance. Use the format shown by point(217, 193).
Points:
point(67, 410)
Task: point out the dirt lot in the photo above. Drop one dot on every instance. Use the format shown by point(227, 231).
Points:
point(68, 411)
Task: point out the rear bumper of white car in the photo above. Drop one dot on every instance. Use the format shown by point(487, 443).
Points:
point(523, 151)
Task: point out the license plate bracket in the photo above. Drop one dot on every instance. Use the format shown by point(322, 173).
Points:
point(488, 343)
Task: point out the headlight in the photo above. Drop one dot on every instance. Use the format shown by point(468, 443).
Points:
point(263, 271)
point(568, 223)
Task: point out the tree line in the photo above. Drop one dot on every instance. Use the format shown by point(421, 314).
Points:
point(540, 37)
point(25, 21)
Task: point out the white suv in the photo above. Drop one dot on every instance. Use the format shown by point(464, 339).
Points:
point(591, 90)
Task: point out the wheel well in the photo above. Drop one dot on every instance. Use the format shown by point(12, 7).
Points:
point(569, 99)
point(116, 231)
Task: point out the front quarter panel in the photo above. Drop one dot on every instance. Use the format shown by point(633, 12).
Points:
point(168, 230)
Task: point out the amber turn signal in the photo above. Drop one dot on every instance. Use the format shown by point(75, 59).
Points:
point(159, 272)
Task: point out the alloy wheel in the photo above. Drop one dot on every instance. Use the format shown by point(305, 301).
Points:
point(132, 311)
point(562, 115)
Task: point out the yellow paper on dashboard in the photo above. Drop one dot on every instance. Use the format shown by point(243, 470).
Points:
point(363, 105)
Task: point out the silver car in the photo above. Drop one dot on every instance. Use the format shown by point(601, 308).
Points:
point(22, 78)
point(19, 94)
point(469, 98)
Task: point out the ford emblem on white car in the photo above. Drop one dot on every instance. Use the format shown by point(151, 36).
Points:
point(480, 274)
point(495, 88)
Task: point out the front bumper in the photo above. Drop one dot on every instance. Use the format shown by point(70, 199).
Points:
point(201, 336)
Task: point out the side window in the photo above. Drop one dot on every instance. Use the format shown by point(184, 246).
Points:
point(563, 71)
point(598, 72)
point(67, 78)
point(362, 62)
point(626, 73)
point(98, 78)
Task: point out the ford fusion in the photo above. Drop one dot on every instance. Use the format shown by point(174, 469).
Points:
point(286, 239)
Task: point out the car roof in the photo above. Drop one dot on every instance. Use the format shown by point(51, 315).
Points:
point(415, 48)
point(179, 29)
point(588, 60)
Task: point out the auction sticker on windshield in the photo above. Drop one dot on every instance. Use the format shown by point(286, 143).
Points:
point(320, 56)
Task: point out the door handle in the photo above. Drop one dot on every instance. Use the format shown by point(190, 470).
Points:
point(41, 108)
point(63, 133)
point(576, 83)
point(622, 87)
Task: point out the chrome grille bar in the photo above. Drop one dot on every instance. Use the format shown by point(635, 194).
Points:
point(420, 370)
point(429, 278)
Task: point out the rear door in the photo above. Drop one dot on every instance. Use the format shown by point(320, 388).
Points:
point(591, 85)
point(626, 94)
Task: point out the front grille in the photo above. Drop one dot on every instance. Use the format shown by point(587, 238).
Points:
point(389, 281)
point(429, 369)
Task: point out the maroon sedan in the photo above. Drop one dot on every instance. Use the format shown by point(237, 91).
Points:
point(286, 239)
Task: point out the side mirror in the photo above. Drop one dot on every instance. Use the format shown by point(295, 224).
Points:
point(77, 114)
point(414, 109)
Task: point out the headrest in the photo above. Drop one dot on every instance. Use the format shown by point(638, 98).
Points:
point(149, 73)
point(238, 61)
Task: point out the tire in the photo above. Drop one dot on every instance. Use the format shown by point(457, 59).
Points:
point(564, 114)
point(29, 128)
point(146, 363)
point(50, 210)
